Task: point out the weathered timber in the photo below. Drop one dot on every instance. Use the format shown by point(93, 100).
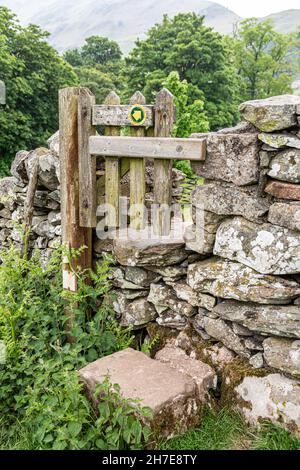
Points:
point(112, 169)
point(118, 115)
point(73, 236)
point(29, 206)
point(148, 147)
point(87, 164)
point(137, 175)
point(164, 121)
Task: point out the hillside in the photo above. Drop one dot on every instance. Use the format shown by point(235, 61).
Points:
point(71, 21)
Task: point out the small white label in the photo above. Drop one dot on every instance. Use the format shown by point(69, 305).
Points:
point(69, 281)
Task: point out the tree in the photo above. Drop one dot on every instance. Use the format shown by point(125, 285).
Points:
point(98, 65)
point(263, 59)
point(189, 117)
point(199, 55)
point(33, 73)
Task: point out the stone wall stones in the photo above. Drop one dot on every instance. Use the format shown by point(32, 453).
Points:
point(230, 286)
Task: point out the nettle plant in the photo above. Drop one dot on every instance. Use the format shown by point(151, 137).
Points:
point(40, 388)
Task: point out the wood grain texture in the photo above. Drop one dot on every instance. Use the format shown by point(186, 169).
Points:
point(112, 170)
point(73, 236)
point(87, 163)
point(118, 115)
point(29, 206)
point(137, 175)
point(149, 147)
point(165, 116)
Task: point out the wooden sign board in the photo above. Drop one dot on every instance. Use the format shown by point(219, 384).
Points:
point(122, 115)
point(148, 147)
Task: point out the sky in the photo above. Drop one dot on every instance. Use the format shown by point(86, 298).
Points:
point(244, 8)
point(248, 8)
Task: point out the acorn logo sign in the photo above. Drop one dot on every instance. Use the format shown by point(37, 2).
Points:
point(2, 92)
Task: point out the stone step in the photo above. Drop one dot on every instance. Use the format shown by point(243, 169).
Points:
point(172, 395)
point(202, 374)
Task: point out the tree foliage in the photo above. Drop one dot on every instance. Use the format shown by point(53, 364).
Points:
point(189, 117)
point(98, 65)
point(199, 55)
point(33, 73)
point(264, 59)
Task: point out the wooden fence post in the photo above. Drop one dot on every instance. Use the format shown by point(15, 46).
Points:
point(164, 120)
point(112, 171)
point(137, 174)
point(73, 236)
point(87, 162)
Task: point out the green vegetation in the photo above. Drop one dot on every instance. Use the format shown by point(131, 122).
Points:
point(33, 72)
point(199, 55)
point(208, 74)
point(41, 399)
point(226, 430)
point(98, 65)
point(265, 59)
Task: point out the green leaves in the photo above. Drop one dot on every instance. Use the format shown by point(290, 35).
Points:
point(33, 73)
point(40, 385)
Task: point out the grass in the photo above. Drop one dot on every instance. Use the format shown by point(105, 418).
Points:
point(222, 430)
point(226, 430)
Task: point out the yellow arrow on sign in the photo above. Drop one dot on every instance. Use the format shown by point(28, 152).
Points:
point(137, 115)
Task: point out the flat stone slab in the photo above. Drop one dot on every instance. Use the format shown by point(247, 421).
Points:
point(284, 190)
point(142, 248)
point(202, 374)
point(271, 114)
point(171, 395)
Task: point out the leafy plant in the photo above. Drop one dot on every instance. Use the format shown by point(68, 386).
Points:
point(40, 388)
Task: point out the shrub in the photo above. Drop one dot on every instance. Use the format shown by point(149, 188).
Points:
point(40, 388)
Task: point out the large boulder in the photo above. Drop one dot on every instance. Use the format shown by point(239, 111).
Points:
point(227, 199)
point(267, 248)
point(271, 114)
point(283, 354)
point(230, 157)
point(277, 320)
point(285, 166)
point(285, 215)
point(273, 397)
point(231, 280)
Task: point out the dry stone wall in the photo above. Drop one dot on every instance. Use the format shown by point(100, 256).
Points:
point(231, 286)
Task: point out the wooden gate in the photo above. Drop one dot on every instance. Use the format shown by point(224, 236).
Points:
point(150, 138)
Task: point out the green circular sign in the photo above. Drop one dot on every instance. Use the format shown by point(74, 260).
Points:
point(137, 115)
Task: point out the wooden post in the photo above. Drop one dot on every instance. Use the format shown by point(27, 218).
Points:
point(87, 163)
point(29, 206)
point(164, 120)
point(112, 171)
point(137, 174)
point(73, 236)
